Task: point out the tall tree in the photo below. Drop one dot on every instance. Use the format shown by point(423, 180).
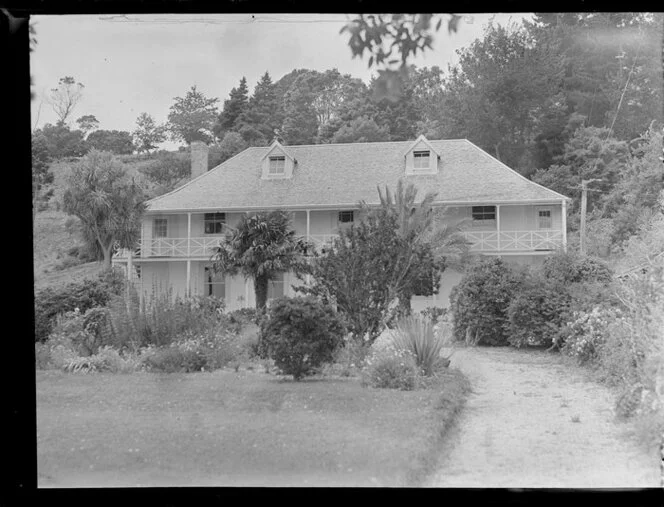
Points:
point(261, 247)
point(87, 123)
point(148, 135)
point(107, 202)
point(234, 106)
point(65, 97)
point(262, 113)
point(192, 117)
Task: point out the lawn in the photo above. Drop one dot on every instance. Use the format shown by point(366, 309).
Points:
point(236, 429)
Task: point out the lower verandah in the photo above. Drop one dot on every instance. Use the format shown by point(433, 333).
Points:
point(156, 277)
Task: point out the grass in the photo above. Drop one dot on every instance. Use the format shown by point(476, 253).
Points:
point(237, 429)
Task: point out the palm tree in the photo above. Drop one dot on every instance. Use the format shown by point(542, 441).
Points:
point(424, 226)
point(260, 247)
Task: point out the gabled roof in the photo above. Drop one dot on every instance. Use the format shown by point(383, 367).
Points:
point(341, 175)
point(276, 145)
point(416, 142)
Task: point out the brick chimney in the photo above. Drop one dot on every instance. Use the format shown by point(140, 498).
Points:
point(199, 158)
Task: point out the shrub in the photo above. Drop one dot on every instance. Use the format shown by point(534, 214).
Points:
point(300, 334)
point(573, 268)
point(480, 301)
point(83, 295)
point(584, 334)
point(417, 335)
point(348, 359)
point(537, 313)
point(391, 368)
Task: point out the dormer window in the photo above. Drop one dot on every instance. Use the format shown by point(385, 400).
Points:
point(421, 160)
point(277, 165)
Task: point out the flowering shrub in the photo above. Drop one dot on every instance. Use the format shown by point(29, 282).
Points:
point(584, 335)
point(391, 368)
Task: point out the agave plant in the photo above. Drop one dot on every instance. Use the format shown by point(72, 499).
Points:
point(416, 334)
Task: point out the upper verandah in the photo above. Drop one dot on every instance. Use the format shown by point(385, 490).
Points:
point(341, 175)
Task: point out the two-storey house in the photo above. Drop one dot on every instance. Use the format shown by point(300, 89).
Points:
point(504, 213)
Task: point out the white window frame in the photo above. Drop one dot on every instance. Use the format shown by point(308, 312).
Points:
point(548, 209)
point(418, 157)
point(212, 279)
point(157, 225)
point(483, 220)
point(217, 218)
point(279, 166)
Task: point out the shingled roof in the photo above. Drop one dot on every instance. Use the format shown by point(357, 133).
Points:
point(341, 175)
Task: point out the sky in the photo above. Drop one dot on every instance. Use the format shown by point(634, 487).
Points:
point(140, 63)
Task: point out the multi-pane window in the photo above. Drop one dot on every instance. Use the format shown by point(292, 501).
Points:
point(345, 217)
point(544, 220)
point(160, 228)
point(215, 284)
point(214, 222)
point(277, 165)
point(421, 159)
point(275, 288)
point(484, 215)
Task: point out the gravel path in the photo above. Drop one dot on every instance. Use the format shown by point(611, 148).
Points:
point(533, 421)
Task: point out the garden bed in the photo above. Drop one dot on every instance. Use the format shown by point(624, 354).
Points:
point(237, 429)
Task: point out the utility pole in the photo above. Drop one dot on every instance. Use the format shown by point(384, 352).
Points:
point(584, 204)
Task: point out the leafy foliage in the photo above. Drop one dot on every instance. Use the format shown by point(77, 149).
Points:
point(148, 134)
point(233, 108)
point(538, 312)
point(168, 170)
point(480, 302)
point(391, 368)
point(83, 295)
point(300, 334)
point(118, 142)
point(63, 142)
point(260, 247)
point(361, 130)
point(570, 267)
point(108, 204)
point(87, 123)
point(192, 117)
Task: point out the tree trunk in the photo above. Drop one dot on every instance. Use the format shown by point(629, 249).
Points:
point(260, 289)
point(108, 255)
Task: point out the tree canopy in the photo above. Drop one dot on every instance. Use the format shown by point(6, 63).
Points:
point(192, 117)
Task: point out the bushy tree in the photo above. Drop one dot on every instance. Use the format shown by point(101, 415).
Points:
point(480, 301)
point(263, 111)
point(361, 130)
point(108, 203)
point(192, 117)
point(260, 247)
point(63, 142)
point(87, 123)
point(300, 334)
point(148, 135)
point(168, 170)
point(230, 145)
point(118, 142)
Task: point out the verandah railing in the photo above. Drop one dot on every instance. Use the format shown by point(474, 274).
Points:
point(481, 241)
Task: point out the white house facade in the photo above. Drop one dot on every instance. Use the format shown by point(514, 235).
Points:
point(504, 214)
